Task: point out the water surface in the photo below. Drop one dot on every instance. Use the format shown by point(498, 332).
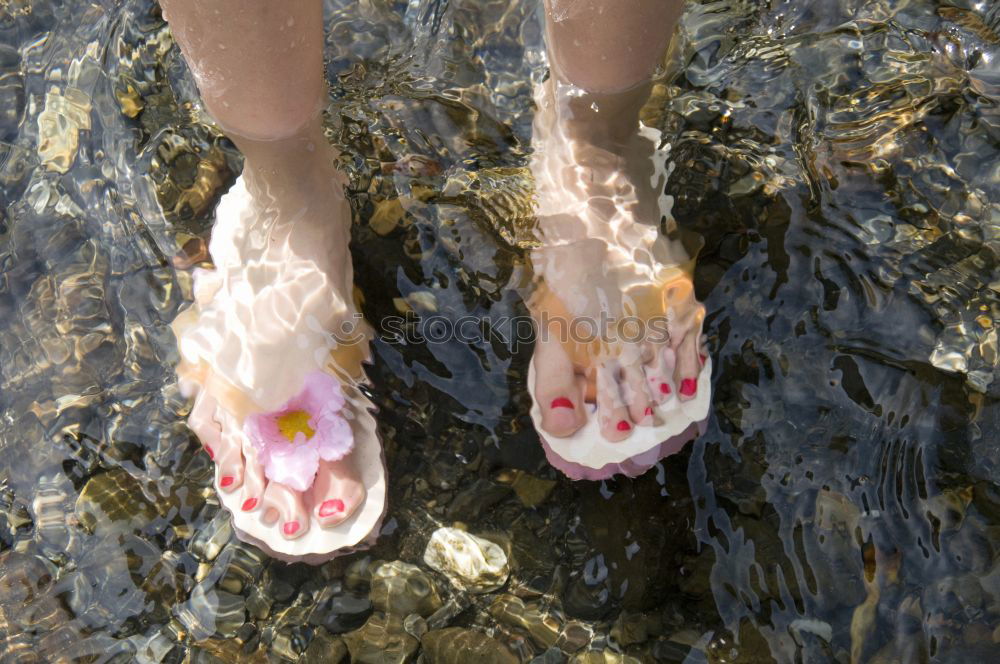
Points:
point(840, 159)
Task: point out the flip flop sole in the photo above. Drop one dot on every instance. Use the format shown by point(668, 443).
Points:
point(319, 544)
point(586, 455)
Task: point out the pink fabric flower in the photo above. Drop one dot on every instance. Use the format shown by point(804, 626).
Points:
point(291, 441)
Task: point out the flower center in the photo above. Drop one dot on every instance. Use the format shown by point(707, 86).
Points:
point(291, 424)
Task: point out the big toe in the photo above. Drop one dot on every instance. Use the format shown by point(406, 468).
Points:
point(559, 390)
point(337, 492)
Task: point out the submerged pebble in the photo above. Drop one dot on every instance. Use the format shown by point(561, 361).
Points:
point(324, 649)
point(211, 537)
point(543, 628)
point(210, 612)
point(471, 563)
point(381, 640)
point(400, 588)
point(113, 500)
point(457, 645)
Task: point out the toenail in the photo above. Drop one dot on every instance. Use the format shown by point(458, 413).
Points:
point(561, 402)
point(211, 453)
point(703, 358)
point(689, 386)
point(664, 388)
point(226, 481)
point(624, 426)
point(333, 506)
point(649, 411)
point(291, 527)
point(249, 504)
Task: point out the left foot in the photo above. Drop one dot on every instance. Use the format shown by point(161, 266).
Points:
point(261, 350)
point(604, 267)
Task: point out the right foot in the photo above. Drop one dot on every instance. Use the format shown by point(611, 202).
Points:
point(265, 321)
point(603, 263)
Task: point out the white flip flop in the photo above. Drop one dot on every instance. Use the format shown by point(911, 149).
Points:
point(216, 337)
point(322, 543)
point(587, 455)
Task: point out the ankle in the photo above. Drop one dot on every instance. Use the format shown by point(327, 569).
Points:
point(606, 120)
point(301, 165)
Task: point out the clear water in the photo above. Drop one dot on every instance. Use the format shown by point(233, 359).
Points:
point(840, 158)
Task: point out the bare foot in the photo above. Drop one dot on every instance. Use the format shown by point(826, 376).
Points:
point(276, 310)
point(618, 323)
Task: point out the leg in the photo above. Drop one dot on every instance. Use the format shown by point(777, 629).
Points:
point(598, 212)
point(283, 274)
point(608, 46)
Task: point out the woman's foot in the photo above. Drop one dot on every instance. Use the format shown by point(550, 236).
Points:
point(617, 321)
point(273, 334)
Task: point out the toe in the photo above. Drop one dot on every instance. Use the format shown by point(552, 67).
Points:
point(203, 423)
point(688, 366)
point(292, 517)
point(636, 393)
point(253, 480)
point(660, 375)
point(337, 491)
point(558, 390)
point(612, 413)
point(229, 456)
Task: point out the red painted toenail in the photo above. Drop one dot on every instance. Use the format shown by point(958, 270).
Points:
point(333, 506)
point(664, 388)
point(291, 527)
point(226, 481)
point(703, 358)
point(624, 426)
point(211, 454)
point(649, 411)
point(249, 504)
point(689, 386)
point(561, 402)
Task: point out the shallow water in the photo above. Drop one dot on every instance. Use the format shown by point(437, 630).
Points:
point(840, 159)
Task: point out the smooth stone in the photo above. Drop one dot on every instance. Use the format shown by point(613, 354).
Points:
point(586, 602)
point(471, 563)
point(114, 501)
point(240, 566)
point(550, 656)
point(324, 649)
point(342, 612)
point(440, 618)
point(415, 625)
point(211, 612)
point(381, 640)
point(154, 649)
point(531, 491)
point(631, 629)
point(400, 588)
point(457, 645)
point(358, 574)
point(512, 611)
point(473, 501)
point(210, 538)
